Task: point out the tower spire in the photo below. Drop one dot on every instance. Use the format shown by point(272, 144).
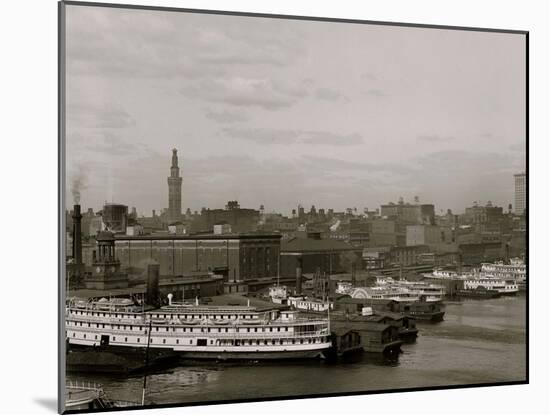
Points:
point(174, 157)
point(174, 190)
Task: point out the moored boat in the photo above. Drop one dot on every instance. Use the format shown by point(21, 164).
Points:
point(195, 331)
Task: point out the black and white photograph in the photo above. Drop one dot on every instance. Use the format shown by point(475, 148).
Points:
point(263, 207)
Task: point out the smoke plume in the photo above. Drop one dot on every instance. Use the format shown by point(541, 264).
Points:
point(78, 184)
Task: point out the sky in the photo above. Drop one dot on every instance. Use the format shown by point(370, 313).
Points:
point(285, 112)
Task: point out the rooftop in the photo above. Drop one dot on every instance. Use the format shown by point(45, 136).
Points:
point(314, 245)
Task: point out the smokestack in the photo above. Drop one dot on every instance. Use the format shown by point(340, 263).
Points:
point(77, 237)
point(152, 294)
point(299, 276)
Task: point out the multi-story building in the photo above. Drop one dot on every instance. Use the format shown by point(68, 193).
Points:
point(413, 214)
point(520, 193)
point(241, 220)
point(239, 257)
point(430, 235)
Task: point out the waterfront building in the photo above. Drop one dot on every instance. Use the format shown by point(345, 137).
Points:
point(238, 257)
point(313, 254)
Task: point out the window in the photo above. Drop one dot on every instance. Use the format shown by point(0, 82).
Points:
point(177, 341)
point(84, 335)
point(126, 339)
point(163, 341)
point(138, 339)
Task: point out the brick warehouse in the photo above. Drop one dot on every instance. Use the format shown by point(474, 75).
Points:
point(239, 257)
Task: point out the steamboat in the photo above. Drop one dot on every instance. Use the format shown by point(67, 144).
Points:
point(474, 281)
point(197, 331)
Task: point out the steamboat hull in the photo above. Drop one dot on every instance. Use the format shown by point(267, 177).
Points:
point(431, 317)
point(250, 356)
point(508, 293)
point(484, 294)
point(108, 354)
point(115, 358)
point(408, 335)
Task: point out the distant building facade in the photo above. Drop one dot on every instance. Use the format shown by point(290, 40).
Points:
point(241, 220)
point(520, 194)
point(239, 257)
point(410, 213)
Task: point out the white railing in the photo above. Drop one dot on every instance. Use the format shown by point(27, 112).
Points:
point(252, 334)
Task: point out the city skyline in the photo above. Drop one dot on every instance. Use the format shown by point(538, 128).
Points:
point(274, 118)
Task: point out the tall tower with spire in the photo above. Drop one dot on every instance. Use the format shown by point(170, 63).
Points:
point(174, 190)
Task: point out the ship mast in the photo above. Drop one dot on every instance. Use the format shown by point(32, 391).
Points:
point(146, 361)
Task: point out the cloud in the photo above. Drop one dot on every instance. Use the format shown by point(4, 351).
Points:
point(262, 93)
point(263, 135)
point(434, 138)
point(329, 94)
point(333, 165)
point(120, 42)
point(225, 117)
point(287, 136)
point(519, 147)
point(375, 92)
point(369, 76)
point(98, 115)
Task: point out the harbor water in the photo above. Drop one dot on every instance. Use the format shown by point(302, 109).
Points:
point(480, 341)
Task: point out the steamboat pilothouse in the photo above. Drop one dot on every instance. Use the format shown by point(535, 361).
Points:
point(197, 331)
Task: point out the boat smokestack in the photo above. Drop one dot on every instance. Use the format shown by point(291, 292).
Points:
point(77, 238)
point(152, 295)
